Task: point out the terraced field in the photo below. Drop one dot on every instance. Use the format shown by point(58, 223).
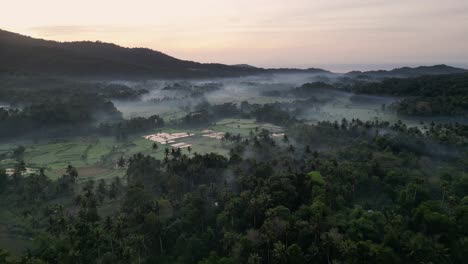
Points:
point(96, 157)
point(243, 126)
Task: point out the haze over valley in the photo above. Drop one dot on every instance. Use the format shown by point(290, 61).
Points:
point(113, 152)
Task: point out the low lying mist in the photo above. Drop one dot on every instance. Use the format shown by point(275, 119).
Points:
point(174, 98)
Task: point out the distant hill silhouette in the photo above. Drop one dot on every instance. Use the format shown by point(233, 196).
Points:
point(86, 58)
point(409, 72)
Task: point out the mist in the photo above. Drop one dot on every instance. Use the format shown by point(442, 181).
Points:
point(327, 104)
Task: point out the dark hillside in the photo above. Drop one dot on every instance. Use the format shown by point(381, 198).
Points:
point(86, 58)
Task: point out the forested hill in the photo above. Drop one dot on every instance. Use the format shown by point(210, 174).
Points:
point(448, 85)
point(405, 72)
point(425, 95)
point(86, 58)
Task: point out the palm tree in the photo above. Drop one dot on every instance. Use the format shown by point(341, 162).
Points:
point(155, 146)
point(178, 152)
point(72, 172)
point(189, 149)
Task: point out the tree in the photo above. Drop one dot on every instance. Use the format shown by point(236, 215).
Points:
point(178, 152)
point(115, 188)
point(153, 226)
point(72, 173)
point(254, 259)
point(280, 254)
point(155, 146)
point(3, 180)
point(189, 149)
point(113, 191)
point(3, 256)
point(166, 152)
point(101, 190)
point(295, 254)
point(18, 153)
point(121, 162)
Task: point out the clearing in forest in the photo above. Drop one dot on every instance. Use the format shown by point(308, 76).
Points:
point(166, 138)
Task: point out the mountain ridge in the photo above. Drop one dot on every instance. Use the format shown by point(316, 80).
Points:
point(22, 53)
point(88, 58)
point(409, 71)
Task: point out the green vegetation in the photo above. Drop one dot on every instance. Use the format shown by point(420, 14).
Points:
point(95, 156)
point(316, 177)
point(211, 179)
point(342, 192)
point(55, 116)
point(426, 95)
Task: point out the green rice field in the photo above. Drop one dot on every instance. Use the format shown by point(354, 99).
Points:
point(96, 157)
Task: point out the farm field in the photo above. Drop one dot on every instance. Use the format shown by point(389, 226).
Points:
point(242, 126)
point(96, 157)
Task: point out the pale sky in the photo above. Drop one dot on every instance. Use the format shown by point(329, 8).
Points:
point(268, 33)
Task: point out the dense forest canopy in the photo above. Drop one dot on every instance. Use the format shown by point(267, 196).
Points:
point(426, 86)
point(426, 95)
point(354, 192)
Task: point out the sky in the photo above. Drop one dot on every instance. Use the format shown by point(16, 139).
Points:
point(345, 34)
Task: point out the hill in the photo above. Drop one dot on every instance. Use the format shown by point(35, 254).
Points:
point(408, 72)
point(428, 95)
point(86, 58)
